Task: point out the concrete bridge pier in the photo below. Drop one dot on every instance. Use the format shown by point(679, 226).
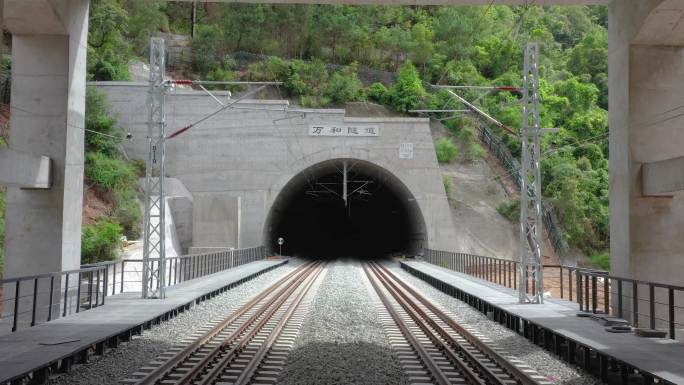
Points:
point(44, 203)
point(646, 68)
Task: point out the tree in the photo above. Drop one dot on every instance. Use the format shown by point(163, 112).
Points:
point(423, 47)
point(334, 22)
point(205, 53)
point(242, 23)
point(345, 85)
point(407, 92)
point(108, 48)
point(146, 18)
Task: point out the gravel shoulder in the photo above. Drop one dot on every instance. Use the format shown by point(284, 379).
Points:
point(546, 364)
point(342, 340)
point(117, 364)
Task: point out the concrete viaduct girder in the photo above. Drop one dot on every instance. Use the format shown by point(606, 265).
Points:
point(645, 72)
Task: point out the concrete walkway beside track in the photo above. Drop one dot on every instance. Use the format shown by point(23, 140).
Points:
point(56, 345)
point(660, 357)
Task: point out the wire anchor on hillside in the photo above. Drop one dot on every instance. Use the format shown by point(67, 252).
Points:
point(531, 262)
point(154, 246)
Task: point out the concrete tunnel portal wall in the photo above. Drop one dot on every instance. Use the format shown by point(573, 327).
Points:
point(380, 217)
point(237, 179)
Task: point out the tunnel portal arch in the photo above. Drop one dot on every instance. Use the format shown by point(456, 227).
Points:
point(381, 216)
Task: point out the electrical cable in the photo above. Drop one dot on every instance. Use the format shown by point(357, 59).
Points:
point(594, 139)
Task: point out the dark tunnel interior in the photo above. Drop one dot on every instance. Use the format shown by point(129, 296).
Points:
point(380, 217)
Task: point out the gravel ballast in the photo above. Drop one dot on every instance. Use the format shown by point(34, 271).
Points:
point(117, 364)
point(342, 340)
point(546, 364)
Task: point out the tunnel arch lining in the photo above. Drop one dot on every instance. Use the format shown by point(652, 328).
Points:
point(398, 203)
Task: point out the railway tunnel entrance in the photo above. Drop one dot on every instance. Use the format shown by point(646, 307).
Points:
point(345, 208)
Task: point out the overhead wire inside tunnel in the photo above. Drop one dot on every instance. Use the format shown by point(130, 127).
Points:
point(345, 207)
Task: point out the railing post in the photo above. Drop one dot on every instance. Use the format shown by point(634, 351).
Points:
point(97, 288)
point(123, 269)
point(114, 280)
point(580, 300)
point(52, 291)
point(606, 295)
point(560, 270)
point(35, 301)
point(619, 294)
point(570, 284)
point(498, 266)
point(586, 292)
point(594, 294)
point(671, 315)
point(635, 304)
point(515, 274)
point(651, 300)
point(90, 290)
point(78, 292)
point(105, 282)
point(66, 291)
point(16, 306)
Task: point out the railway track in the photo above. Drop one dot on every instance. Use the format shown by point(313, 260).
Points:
point(432, 347)
point(249, 346)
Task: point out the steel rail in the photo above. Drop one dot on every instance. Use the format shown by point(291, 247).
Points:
point(426, 322)
point(253, 365)
point(520, 376)
point(261, 317)
point(434, 334)
point(163, 370)
point(429, 362)
point(219, 366)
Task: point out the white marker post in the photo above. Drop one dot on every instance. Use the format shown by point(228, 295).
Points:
point(281, 241)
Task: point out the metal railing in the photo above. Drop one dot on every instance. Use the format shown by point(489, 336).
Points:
point(512, 166)
point(31, 300)
point(651, 304)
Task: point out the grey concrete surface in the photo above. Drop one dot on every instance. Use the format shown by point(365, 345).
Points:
point(662, 177)
point(49, 45)
point(24, 170)
point(32, 348)
point(216, 220)
point(661, 357)
point(252, 155)
point(645, 72)
point(645, 40)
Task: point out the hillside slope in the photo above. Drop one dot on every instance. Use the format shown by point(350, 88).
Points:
point(476, 193)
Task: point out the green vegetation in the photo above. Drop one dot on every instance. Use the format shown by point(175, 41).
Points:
point(306, 44)
point(3, 206)
point(600, 260)
point(510, 209)
point(109, 173)
point(446, 150)
point(407, 93)
point(110, 177)
point(120, 30)
point(470, 145)
point(345, 86)
point(100, 241)
point(448, 185)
